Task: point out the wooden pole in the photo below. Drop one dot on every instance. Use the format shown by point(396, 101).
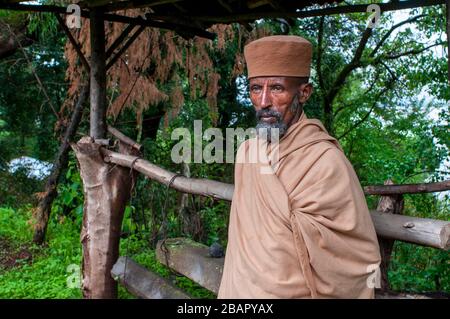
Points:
point(119, 40)
point(421, 231)
point(144, 283)
point(407, 188)
point(392, 204)
point(74, 42)
point(196, 186)
point(127, 44)
point(192, 260)
point(107, 189)
point(98, 76)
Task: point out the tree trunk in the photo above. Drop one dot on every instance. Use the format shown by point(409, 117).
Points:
point(59, 165)
point(98, 75)
point(107, 189)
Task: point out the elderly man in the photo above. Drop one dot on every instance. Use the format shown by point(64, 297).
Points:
point(303, 231)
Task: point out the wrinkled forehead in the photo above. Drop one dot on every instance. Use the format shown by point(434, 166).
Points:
point(271, 80)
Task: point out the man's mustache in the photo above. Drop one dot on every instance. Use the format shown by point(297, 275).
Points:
point(268, 113)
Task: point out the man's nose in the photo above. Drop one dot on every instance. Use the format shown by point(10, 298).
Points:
point(266, 100)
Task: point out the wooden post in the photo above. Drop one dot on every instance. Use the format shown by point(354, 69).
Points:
point(98, 75)
point(392, 204)
point(106, 191)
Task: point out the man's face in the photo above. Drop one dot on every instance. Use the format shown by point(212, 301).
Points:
point(278, 101)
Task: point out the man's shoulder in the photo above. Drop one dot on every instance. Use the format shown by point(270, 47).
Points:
point(322, 158)
point(319, 150)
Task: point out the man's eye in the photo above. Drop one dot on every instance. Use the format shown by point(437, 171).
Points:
point(277, 88)
point(255, 89)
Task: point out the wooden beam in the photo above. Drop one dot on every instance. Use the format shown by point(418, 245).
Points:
point(196, 186)
point(151, 22)
point(183, 29)
point(391, 204)
point(224, 191)
point(193, 260)
point(137, 4)
point(127, 44)
point(422, 231)
point(390, 6)
point(117, 42)
point(362, 8)
point(39, 8)
point(124, 139)
point(253, 4)
point(98, 76)
point(144, 283)
point(407, 188)
point(74, 43)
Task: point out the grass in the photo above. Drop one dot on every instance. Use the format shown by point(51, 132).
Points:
point(47, 275)
point(54, 269)
point(55, 266)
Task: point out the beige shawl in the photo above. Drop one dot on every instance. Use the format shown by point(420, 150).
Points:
point(303, 231)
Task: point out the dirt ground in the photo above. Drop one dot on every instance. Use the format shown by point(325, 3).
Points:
point(13, 256)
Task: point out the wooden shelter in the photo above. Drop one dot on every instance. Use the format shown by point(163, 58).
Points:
point(108, 175)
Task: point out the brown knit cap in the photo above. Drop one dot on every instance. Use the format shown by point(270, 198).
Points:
point(279, 55)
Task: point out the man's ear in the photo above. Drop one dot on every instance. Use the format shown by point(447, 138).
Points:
point(304, 92)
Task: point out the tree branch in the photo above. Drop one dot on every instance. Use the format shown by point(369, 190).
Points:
point(340, 80)
point(366, 116)
point(386, 36)
point(354, 63)
point(412, 52)
point(372, 85)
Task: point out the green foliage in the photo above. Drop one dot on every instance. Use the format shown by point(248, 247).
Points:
point(27, 117)
point(70, 199)
point(17, 189)
point(418, 269)
point(46, 276)
point(50, 271)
